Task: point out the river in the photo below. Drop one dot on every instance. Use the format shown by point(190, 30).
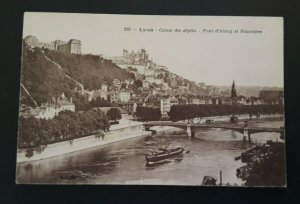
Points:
point(212, 151)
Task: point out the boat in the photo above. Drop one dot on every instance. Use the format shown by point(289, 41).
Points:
point(162, 154)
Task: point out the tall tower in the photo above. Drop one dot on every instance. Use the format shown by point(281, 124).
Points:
point(233, 91)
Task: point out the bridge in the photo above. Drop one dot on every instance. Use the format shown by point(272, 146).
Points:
point(190, 127)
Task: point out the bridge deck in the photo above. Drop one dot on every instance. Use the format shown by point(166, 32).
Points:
point(238, 127)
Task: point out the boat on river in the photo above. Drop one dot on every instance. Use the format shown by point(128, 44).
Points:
point(160, 155)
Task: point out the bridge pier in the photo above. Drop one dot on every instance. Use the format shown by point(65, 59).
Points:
point(282, 136)
point(147, 128)
point(190, 131)
point(193, 133)
point(246, 133)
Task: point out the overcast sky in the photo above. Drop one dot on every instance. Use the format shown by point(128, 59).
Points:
point(212, 58)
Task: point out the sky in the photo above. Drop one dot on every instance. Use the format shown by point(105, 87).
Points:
point(251, 59)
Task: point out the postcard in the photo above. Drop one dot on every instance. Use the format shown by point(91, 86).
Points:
point(112, 99)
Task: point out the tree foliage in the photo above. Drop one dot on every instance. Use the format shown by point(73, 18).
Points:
point(99, 102)
point(41, 78)
point(90, 70)
point(148, 114)
point(44, 80)
point(67, 125)
point(182, 112)
point(114, 114)
point(267, 168)
point(138, 83)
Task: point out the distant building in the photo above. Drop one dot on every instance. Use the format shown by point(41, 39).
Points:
point(271, 96)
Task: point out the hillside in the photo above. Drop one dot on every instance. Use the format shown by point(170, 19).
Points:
point(90, 70)
point(41, 78)
point(47, 74)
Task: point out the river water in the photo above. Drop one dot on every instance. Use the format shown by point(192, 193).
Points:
point(212, 151)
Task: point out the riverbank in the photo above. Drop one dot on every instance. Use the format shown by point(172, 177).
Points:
point(59, 148)
point(265, 165)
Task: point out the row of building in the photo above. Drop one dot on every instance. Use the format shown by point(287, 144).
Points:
point(50, 109)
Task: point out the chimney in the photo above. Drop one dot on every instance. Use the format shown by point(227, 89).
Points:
point(71, 100)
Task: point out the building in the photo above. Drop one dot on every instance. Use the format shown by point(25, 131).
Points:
point(233, 90)
point(161, 67)
point(88, 94)
point(124, 96)
point(183, 88)
point(271, 96)
point(50, 110)
point(66, 105)
point(195, 101)
point(119, 96)
point(104, 87)
point(73, 46)
point(31, 41)
point(140, 57)
point(145, 84)
point(129, 107)
point(116, 83)
point(113, 96)
point(100, 93)
point(165, 105)
point(58, 43)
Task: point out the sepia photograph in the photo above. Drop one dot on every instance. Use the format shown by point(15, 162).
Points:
point(111, 99)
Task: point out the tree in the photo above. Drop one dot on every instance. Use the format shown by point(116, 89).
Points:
point(68, 125)
point(114, 114)
point(189, 111)
point(99, 102)
point(138, 83)
point(148, 114)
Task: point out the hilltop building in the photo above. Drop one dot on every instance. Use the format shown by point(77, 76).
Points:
point(140, 57)
point(73, 46)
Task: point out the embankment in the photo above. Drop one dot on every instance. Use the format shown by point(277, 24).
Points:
point(56, 149)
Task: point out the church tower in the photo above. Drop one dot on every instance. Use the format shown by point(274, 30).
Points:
point(233, 91)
